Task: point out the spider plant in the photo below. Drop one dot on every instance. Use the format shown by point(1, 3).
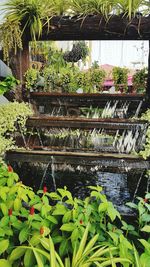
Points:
point(85, 255)
point(129, 7)
point(29, 13)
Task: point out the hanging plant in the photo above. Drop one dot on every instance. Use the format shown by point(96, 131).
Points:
point(79, 52)
point(120, 77)
point(10, 37)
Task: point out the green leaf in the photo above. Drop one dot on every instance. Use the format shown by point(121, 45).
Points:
point(4, 208)
point(4, 221)
point(17, 204)
point(59, 210)
point(68, 227)
point(147, 196)
point(103, 207)
point(136, 256)
point(29, 259)
point(54, 196)
point(75, 235)
point(17, 253)
point(38, 258)
point(67, 216)
point(35, 239)
point(146, 228)
point(52, 219)
point(3, 245)
point(145, 259)
point(63, 249)
point(5, 263)
point(23, 236)
point(145, 244)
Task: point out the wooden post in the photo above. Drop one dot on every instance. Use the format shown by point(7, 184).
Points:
point(19, 63)
point(148, 80)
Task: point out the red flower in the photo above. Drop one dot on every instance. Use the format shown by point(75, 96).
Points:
point(145, 200)
point(10, 212)
point(44, 189)
point(41, 230)
point(10, 169)
point(32, 211)
point(81, 222)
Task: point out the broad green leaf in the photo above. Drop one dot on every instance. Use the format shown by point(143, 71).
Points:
point(35, 239)
point(145, 259)
point(147, 196)
point(17, 204)
point(68, 227)
point(52, 253)
point(59, 210)
point(17, 253)
point(145, 244)
point(23, 236)
point(146, 228)
point(137, 258)
point(103, 207)
point(3, 245)
point(52, 219)
point(63, 248)
point(5, 263)
point(4, 221)
point(29, 258)
point(67, 217)
point(75, 234)
point(38, 258)
point(4, 208)
point(54, 196)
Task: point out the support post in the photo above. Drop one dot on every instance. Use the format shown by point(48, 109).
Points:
point(148, 79)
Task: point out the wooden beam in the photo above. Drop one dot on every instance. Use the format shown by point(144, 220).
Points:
point(148, 80)
point(96, 27)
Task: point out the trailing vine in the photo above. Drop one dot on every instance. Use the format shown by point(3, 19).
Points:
point(11, 37)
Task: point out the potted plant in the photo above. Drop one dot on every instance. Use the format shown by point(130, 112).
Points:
point(120, 77)
point(139, 80)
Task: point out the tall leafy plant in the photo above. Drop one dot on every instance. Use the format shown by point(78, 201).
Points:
point(120, 77)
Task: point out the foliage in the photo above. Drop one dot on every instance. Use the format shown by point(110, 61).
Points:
point(84, 231)
point(85, 254)
point(143, 210)
point(140, 79)
point(11, 38)
point(97, 77)
point(30, 16)
point(120, 77)
point(31, 78)
point(13, 115)
point(9, 83)
point(79, 52)
point(146, 152)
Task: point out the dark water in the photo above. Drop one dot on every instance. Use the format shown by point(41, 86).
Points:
point(119, 187)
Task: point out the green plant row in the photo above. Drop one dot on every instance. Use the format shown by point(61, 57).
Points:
point(55, 229)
